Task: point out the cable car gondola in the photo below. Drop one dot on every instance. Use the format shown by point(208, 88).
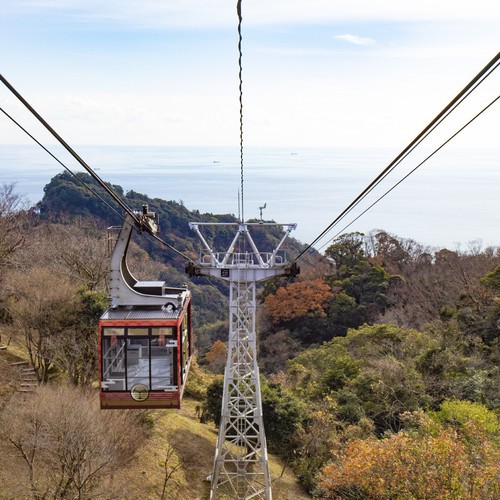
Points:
point(145, 339)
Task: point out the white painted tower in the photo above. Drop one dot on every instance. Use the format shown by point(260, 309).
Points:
point(241, 468)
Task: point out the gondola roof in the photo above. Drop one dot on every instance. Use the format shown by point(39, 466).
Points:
point(142, 314)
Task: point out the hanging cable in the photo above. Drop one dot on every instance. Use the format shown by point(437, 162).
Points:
point(168, 245)
point(108, 190)
point(240, 77)
point(411, 171)
point(70, 150)
point(61, 163)
point(454, 103)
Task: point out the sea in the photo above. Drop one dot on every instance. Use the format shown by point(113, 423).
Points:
point(451, 200)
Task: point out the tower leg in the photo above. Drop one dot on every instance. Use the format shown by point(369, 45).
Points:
point(241, 468)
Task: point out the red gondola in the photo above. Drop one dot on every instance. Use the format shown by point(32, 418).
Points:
point(145, 339)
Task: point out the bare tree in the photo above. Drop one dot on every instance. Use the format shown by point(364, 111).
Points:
point(169, 469)
point(63, 446)
point(15, 223)
point(432, 283)
point(76, 250)
point(57, 323)
point(42, 307)
point(79, 249)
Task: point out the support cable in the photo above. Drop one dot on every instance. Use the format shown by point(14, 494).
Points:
point(240, 77)
point(70, 150)
point(169, 246)
point(411, 172)
point(62, 164)
point(454, 103)
point(92, 173)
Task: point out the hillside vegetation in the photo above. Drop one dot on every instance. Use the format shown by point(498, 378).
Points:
point(379, 363)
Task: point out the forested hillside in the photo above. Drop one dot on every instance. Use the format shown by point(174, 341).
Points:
point(67, 200)
point(380, 362)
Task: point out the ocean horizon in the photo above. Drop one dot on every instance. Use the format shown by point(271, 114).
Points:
point(451, 200)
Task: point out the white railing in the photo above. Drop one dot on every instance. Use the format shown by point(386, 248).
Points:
point(243, 260)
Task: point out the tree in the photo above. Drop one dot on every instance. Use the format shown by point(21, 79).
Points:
point(61, 445)
point(65, 194)
point(276, 348)
point(216, 357)
point(406, 466)
point(43, 308)
point(372, 373)
point(492, 279)
point(317, 372)
point(360, 282)
point(478, 311)
point(368, 285)
point(282, 412)
point(212, 406)
point(346, 252)
point(77, 249)
point(344, 313)
point(15, 223)
point(439, 283)
point(76, 347)
point(302, 299)
point(381, 246)
point(392, 252)
point(315, 439)
point(57, 323)
point(283, 416)
point(169, 469)
point(451, 453)
point(460, 415)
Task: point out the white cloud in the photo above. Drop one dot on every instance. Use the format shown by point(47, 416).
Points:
point(187, 93)
point(356, 40)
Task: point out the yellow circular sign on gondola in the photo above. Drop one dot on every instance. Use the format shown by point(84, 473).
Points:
point(139, 392)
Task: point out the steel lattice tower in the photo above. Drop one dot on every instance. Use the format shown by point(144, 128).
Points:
point(241, 469)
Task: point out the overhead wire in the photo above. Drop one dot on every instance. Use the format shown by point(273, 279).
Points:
point(475, 82)
point(69, 149)
point(412, 171)
point(10, 117)
point(169, 246)
point(446, 111)
point(485, 72)
point(240, 78)
point(92, 173)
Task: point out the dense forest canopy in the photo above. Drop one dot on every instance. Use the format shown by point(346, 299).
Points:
point(379, 362)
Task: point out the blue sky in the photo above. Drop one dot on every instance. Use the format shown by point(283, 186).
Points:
point(316, 72)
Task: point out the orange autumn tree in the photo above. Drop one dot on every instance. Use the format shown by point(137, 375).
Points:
point(414, 466)
point(216, 357)
point(299, 299)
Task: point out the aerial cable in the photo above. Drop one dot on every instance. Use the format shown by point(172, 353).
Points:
point(62, 164)
point(70, 150)
point(164, 243)
point(487, 70)
point(240, 78)
point(411, 172)
point(458, 99)
point(115, 197)
point(396, 162)
point(169, 246)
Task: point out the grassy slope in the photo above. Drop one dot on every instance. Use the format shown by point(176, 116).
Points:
point(194, 447)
